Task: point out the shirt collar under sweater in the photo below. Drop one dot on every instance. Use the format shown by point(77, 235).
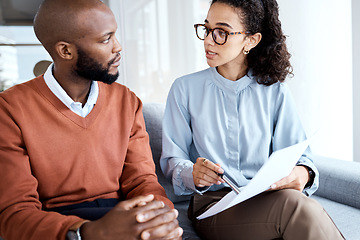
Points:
point(60, 93)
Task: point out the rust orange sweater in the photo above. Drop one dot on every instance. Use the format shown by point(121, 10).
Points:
point(51, 157)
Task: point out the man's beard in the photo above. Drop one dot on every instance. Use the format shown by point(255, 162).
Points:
point(89, 68)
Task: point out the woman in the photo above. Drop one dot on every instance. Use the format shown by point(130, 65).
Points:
point(230, 118)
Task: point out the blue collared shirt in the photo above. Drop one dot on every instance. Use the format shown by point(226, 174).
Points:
point(237, 124)
point(60, 93)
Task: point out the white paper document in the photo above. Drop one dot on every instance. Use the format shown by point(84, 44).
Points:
point(278, 166)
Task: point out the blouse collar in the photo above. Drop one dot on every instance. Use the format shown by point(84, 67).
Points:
point(229, 85)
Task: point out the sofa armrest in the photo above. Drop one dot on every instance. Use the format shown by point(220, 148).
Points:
point(339, 180)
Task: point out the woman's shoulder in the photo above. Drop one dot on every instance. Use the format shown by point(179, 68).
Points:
point(190, 83)
point(277, 87)
point(195, 77)
point(281, 88)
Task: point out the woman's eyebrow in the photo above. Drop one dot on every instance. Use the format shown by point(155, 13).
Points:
point(223, 24)
point(220, 24)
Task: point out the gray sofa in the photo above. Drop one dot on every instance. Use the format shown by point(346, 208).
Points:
point(339, 191)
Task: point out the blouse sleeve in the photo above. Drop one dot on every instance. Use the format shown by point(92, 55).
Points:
point(176, 141)
point(288, 130)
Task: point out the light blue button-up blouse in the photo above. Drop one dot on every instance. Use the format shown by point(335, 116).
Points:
point(237, 124)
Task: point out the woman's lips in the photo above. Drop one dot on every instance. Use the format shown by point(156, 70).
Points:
point(210, 54)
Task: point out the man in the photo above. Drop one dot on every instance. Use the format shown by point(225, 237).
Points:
point(75, 161)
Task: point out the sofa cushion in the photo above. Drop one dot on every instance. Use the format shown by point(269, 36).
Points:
point(338, 193)
point(345, 217)
point(339, 180)
point(153, 115)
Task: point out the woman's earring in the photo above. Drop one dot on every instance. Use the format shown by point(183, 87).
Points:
point(246, 52)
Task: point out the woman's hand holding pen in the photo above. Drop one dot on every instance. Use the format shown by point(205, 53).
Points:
point(205, 173)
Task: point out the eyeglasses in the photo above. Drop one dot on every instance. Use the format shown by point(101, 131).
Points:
point(219, 35)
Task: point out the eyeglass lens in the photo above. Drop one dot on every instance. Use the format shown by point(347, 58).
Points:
point(218, 35)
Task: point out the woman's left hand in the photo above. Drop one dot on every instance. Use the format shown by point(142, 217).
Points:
point(297, 180)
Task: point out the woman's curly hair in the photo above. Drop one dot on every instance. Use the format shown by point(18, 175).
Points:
point(269, 60)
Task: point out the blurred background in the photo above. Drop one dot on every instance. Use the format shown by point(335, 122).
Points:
point(159, 45)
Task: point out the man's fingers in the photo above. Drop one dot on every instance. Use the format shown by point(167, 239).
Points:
point(169, 230)
point(152, 206)
point(145, 216)
point(160, 226)
point(176, 234)
point(134, 202)
point(158, 233)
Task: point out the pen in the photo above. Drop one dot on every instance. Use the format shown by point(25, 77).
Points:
point(230, 183)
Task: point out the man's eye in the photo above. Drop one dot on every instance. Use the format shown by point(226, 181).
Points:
point(106, 40)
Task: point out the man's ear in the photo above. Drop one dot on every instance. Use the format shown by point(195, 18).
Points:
point(253, 41)
point(65, 50)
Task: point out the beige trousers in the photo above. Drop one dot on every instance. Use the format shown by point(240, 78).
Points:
point(284, 214)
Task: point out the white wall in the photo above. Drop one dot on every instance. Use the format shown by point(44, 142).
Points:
point(320, 41)
point(356, 76)
point(160, 44)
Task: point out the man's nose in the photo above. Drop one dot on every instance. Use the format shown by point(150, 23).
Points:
point(117, 45)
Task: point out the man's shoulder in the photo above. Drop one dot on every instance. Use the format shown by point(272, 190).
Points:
point(21, 90)
point(115, 88)
point(117, 92)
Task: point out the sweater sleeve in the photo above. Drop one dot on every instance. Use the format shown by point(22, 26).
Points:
point(138, 176)
point(21, 216)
